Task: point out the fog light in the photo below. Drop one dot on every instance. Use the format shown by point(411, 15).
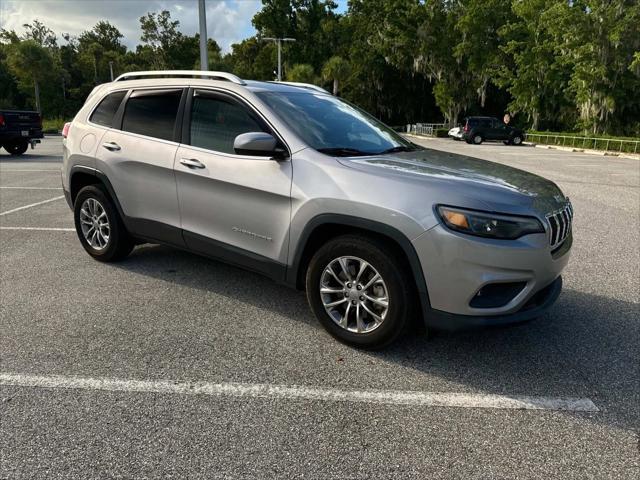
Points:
point(495, 295)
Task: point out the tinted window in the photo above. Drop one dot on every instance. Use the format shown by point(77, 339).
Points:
point(152, 113)
point(328, 123)
point(217, 121)
point(103, 114)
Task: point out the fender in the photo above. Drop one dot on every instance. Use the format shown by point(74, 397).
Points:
point(293, 270)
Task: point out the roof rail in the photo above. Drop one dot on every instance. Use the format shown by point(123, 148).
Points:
point(308, 86)
point(181, 73)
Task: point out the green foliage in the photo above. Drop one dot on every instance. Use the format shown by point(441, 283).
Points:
point(337, 70)
point(553, 64)
point(301, 72)
point(441, 132)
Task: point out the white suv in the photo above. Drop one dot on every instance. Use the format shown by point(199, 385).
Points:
point(296, 184)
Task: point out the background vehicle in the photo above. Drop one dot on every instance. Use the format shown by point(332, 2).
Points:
point(455, 133)
point(18, 129)
point(478, 129)
point(372, 226)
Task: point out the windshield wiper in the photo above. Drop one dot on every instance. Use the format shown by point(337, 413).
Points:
point(401, 148)
point(343, 151)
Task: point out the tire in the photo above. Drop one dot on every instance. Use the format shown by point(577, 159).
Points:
point(16, 148)
point(396, 287)
point(477, 139)
point(115, 243)
point(516, 140)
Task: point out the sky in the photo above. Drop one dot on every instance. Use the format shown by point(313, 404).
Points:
point(228, 21)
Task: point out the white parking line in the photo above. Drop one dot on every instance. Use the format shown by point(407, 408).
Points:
point(40, 229)
point(30, 188)
point(31, 205)
point(2, 170)
point(281, 392)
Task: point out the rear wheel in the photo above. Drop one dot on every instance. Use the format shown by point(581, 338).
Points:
point(516, 140)
point(16, 147)
point(99, 227)
point(477, 139)
point(359, 290)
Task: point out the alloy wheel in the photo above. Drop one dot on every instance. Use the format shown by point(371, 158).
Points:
point(94, 223)
point(354, 294)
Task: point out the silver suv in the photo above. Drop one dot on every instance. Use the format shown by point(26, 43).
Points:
point(294, 183)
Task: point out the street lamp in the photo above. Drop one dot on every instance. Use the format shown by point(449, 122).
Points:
point(279, 43)
point(204, 55)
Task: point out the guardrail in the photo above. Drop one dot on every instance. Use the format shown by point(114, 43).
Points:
point(606, 144)
point(424, 128)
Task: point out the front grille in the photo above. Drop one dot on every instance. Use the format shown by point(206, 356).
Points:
point(560, 224)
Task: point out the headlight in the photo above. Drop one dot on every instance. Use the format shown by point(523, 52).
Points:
point(486, 224)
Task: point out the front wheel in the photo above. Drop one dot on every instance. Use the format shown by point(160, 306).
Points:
point(16, 148)
point(358, 289)
point(99, 227)
point(516, 140)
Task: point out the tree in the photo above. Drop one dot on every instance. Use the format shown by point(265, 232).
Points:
point(31, 64)
point(41, 34)
point(301, 72)
point(162, 36)
point(337, 70)
point(477, 25)
point(534, 77)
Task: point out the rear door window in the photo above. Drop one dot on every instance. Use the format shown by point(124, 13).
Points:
point(216, 121)
point(106, 110)
point(152, 113)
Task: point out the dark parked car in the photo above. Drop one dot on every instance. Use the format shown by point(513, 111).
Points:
point(478, 129)
point(18, 129)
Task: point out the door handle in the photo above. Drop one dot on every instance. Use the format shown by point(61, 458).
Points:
point(192, 163)
point(111, 146)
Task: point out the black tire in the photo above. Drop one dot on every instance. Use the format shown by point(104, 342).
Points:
point(391, 268)
point(16, 148)
point(516, 140)
point(119, 243)
point(477, 139)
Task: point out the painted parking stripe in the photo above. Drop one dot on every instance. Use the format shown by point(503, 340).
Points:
point(282, 392)
point(31, 205)
point(30, 188)
point(3, 170)
point(40, 229)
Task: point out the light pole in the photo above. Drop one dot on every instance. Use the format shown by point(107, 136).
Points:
point(111, 69)
point(279, 43)
point(204, 55)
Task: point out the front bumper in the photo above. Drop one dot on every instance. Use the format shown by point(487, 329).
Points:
point(456, 266)
point(534, 308)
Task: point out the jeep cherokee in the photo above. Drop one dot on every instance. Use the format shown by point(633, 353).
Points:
point(301, 186)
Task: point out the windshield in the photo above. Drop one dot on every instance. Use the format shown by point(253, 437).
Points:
point(333, 126)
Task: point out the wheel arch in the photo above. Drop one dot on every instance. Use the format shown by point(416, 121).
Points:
point(323, 227)
point(82, 176)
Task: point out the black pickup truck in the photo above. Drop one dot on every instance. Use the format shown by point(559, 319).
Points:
point(19, 129)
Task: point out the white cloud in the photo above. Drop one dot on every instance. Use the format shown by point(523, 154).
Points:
point(227, 21)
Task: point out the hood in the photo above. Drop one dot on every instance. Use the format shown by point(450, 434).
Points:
point(517, 186)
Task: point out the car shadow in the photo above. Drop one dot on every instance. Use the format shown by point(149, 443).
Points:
point(587, 345)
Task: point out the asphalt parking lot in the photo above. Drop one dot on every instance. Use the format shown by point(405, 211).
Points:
point(131, 364)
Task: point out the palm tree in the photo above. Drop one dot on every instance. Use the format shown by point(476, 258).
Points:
point(301, 72)
point(336, 69)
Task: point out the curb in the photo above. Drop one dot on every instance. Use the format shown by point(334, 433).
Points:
point(588, 151)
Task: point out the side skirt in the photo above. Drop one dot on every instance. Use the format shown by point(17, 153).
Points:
point(156, 232)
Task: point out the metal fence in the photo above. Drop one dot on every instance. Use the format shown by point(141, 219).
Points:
point(425, 128)
point(606, 144)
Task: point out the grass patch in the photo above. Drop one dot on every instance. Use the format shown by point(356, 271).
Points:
point(53, 125)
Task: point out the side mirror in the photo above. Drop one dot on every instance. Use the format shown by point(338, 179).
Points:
point(257, 144)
